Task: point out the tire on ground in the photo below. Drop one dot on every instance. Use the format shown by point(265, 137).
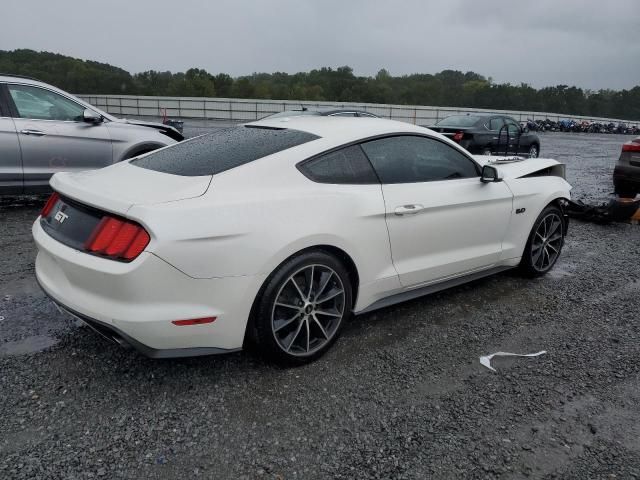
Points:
point(528, 264)
point(261, 332)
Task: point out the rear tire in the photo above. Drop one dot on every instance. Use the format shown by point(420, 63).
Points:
point(302, 308)
point(534, 151)
point(544, 244)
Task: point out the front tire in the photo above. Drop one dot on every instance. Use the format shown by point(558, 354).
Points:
point(302, 308)
point(534, 151)
point(544, 244)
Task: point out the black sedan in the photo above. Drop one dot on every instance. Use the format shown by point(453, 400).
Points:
point(489, 134)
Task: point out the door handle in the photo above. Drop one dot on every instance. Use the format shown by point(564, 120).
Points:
point(28, 131)
point(408, 210)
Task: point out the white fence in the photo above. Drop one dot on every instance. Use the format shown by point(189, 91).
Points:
point(244, 110)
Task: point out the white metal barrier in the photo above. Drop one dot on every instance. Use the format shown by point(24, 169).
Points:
point(244, 110)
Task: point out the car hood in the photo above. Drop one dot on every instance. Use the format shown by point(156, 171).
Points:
point(166, 129)
point(119, 187)
point(516, 167)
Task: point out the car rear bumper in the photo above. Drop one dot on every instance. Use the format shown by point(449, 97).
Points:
point(135, 303)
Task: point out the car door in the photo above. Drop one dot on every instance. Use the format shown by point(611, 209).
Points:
point(443, 221)
point(498, 135)
point(53, 136)
point(10, 161)
point(516, 139)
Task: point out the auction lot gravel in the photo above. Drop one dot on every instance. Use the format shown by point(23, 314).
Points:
point(400, 395)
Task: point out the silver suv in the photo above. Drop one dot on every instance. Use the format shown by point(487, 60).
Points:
point(44, 130)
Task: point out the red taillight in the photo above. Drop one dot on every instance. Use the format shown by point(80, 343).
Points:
point(117, 238)
point(50, 203)
point(194, 321)
point(632, 146)
point(458, 136)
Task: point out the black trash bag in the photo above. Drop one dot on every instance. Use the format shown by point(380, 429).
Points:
point(616, 210)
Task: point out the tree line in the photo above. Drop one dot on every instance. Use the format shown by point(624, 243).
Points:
point(448, 88)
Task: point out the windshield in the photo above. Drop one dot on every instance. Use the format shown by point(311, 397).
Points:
point(458, 121)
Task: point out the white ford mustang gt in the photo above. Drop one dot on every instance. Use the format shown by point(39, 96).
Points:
point(277, 231)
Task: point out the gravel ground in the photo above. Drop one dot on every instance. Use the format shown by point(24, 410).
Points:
point(400, 395)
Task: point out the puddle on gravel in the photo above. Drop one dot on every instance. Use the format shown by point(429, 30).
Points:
point(27, 345)
point(561, 271)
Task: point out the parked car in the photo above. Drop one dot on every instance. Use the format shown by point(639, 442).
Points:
point(490, 134)
point(626, 174)
point(44, 130)
point(324, 112)
point(280, 229)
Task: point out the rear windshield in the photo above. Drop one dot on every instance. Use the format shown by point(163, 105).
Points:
point(458, 121)
point(222, 150)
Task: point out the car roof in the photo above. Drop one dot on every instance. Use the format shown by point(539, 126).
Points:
point(341, 130)
point(8, 77)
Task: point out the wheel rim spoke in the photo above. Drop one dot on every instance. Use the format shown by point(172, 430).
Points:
point(295, 284)
point(331, 296)
point(287, 323)
point(295, 335)
point(324, 285)
point(555, 237)
point(306, 322)
point(317, 322)
point(330, 314)
point(311, 281)
point(286, 305)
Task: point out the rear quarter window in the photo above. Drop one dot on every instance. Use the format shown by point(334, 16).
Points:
point(348, 165)
point(222, 150)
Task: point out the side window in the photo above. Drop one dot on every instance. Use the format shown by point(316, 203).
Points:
point(345, 166)
point(496, 124)
point(411, 159)
point(514, 128)
point(367, 115)
point(40, 104)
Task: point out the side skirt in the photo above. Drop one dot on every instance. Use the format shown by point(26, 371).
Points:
point(437, 287)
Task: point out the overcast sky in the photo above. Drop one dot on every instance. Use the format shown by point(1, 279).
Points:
point(589, 43)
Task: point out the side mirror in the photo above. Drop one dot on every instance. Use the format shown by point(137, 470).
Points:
point(490, 174)
point(89, 116)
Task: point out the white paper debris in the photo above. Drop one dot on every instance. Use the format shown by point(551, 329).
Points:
point(486, 360)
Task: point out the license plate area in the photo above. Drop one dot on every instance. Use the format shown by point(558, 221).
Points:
point(71, 223)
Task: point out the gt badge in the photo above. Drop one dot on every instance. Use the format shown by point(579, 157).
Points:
point(61, 216)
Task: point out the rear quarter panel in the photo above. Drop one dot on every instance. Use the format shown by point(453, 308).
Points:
point(255, 216)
